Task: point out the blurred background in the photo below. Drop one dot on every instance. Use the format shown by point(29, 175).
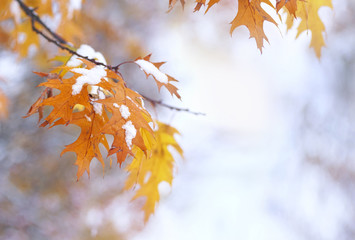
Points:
point(272, 159)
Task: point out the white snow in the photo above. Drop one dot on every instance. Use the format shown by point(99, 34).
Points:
point(97, 107)
point(149, 68)
point(124, 111)
point(88, 76)
point(101, 93)
point(87, 51)
point(130, 132)
point(116, 105)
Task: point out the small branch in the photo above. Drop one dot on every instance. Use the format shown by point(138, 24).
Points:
point(62, 44)
point(159, 102)
point(32, 14)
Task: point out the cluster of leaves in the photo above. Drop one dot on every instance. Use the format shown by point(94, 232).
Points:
point(97, 100)
point(252, 14)
point(89, 94)
point(86, 92)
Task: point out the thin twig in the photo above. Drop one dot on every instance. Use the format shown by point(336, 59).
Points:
point(31, 13)
point(62, 44)
point(160, 102)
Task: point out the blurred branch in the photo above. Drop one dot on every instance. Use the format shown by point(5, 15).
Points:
point(55, 39)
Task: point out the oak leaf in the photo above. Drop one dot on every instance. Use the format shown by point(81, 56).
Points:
point(161, 79)
point(307, 11)
point(97, 91)
point(252, 15)
point(128, 118)
point(148, 173)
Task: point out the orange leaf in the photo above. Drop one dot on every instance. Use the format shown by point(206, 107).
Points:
point(128, 118)
point(160, 78)
point(252, 15)
point(83, 100)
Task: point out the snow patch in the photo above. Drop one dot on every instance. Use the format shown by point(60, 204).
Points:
point(87, 51)
point(124, 111)
point(97, 107)
point(149, 68)
point(101, 93)
point(130, 132)
point(116, 105)
point(88, 76)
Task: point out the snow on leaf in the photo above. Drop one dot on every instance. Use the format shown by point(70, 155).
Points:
point(87, 51)
point(128, 123)
point(88, 76)
point(86, 146)
point(160, 78)
point(128, 118)
point(252, 15)
point(149, 173)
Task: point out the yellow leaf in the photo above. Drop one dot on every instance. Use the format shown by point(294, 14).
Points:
point(307, 11)
point(148, 173)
